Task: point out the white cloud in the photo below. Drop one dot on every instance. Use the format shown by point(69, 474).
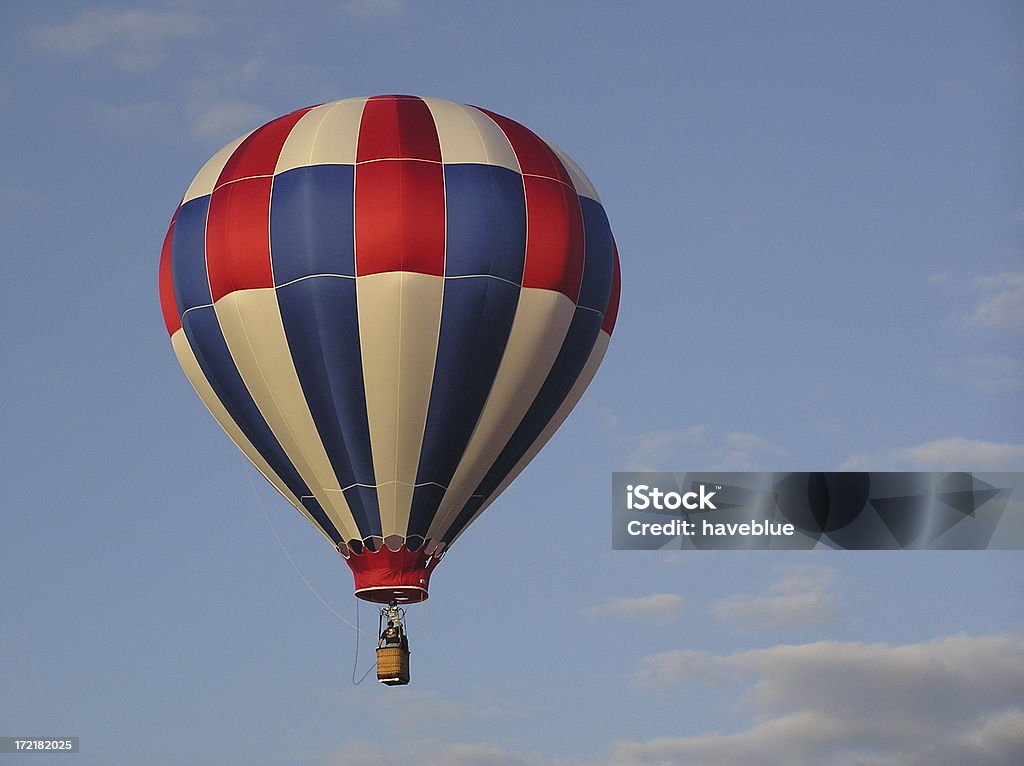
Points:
point(802, 597)
point(959, 453)
point(956, 453)
point(1000, 738)
point(227, 120)
point(659, 607)
point(479, 755)
point(373, 8)
point(695, 666)
point(1003, 305)
point(651, 450)
point(223, 99)
point(697, 448)
point(135, 39)
point(949, 701)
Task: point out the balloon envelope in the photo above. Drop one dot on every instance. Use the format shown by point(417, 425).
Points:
point(389, 305)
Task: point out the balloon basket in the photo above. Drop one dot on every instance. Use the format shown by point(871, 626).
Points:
point(393, 665)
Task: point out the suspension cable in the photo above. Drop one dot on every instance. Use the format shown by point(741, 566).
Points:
point(355, 659)
point(298, 571)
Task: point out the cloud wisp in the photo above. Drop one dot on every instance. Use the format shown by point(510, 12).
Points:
point(956, 453)
point(1002, 307)
point(226, 120)
point(135, 39)
point(802, 597)
point(699, 448)
point(996, 374)
point(656, 607)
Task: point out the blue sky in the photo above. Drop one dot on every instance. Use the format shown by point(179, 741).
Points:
point(819, 209)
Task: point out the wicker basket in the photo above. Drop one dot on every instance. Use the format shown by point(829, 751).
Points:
point(393, 665)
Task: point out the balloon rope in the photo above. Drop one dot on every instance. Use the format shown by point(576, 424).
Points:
point(309, 585)
point(355, 660)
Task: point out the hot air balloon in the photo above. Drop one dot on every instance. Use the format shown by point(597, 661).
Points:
point(390, 304)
